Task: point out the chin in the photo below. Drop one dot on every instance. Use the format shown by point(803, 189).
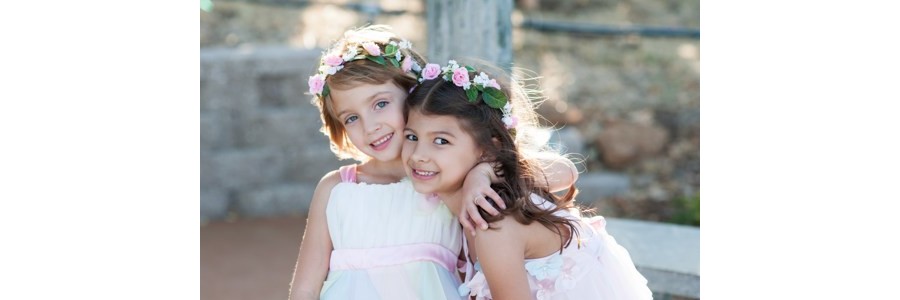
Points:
point(421, 188)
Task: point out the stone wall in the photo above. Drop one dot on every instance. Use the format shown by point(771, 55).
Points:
point(261, 152)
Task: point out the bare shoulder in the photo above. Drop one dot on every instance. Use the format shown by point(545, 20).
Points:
point(502, 232)
point(329, 180)
point(324, 187)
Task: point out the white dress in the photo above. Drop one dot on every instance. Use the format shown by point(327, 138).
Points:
point(592, 267)
point(390, 242)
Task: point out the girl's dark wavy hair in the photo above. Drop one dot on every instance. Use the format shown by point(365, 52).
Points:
point(442, 98)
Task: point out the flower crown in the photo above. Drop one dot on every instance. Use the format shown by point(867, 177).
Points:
point(331, 63)
point(489, 88)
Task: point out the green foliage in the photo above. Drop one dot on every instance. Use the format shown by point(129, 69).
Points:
point(472, 94)
point(687, 211)
point(378, 59)
point(390, 50)
point(494, 97)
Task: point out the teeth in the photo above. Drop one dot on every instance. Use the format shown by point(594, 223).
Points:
point(382, 140)
point(425, 173)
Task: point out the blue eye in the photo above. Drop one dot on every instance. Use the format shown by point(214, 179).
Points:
point(412, 137)
point(351, 119)
point(381, 104)
point(441, 141)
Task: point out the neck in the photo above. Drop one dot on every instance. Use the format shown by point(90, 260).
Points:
point(453, 200)
point(391, 169)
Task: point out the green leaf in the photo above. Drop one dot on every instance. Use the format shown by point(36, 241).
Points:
point(390, 50)
point(359, 56)
point(479, 87)
point(325, 91)
point(394, 62)
point(470, 69)
point(472, 94)
point(378, 59)
point(494, 97)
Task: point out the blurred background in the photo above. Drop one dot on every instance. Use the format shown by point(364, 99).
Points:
point(622, 79)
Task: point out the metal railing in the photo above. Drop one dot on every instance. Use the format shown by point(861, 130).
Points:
point(578, 29)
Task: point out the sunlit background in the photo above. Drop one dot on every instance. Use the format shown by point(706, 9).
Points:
point(622, 80)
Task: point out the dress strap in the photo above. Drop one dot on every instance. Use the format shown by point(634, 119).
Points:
point(348, 173)
point(469, 268)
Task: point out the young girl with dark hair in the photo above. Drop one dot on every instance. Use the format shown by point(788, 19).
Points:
point(538, 247)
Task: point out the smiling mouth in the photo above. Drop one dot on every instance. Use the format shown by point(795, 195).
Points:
point(421, 174)
point(382, 141)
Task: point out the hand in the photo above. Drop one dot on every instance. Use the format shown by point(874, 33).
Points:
point(477, 190)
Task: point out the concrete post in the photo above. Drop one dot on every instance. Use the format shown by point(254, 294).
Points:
point(479, 29)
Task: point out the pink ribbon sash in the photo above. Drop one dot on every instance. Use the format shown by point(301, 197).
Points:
point(350, 259)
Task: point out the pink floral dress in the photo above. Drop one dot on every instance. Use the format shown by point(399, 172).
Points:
point(593, 267)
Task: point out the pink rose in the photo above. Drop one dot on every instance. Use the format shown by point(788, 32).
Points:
point(334, 60)
point(407, 64)
point(460, 76)
point(372, 48)
point(316, 84)
point(493, 83)
point(431, 71)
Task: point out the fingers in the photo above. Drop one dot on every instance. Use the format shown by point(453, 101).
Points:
point(464, 221)
point(476, 218)
point(490, 193)
point(484, 204)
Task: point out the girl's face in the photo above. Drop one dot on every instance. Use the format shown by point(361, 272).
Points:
point(437, 153)
point(372, 116)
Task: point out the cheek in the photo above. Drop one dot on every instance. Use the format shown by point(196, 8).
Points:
point(354, 133)
point(398, 117)
point(407, 149)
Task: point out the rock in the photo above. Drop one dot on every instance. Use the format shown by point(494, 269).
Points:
point(622, 143)
point(593, 186)
point(567, 140)
point(657, 193)
point(553, 112)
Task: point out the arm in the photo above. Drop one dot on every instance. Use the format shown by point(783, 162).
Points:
point(501, 253)
point(476, 190)
point(559, 174)
point(315, 248)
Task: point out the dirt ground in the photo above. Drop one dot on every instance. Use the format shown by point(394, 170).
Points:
point(249, 259)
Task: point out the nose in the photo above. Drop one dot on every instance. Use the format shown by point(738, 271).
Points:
point(372, 126)
point(418, 155)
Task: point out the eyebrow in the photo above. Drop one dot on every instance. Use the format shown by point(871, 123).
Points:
point(443, 132)
point(433, 132)
point(375, 95)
